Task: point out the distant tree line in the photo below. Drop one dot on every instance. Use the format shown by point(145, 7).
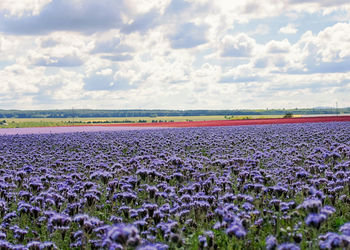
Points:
point(68, 113)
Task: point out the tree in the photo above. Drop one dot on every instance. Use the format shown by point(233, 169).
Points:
point(288, 115)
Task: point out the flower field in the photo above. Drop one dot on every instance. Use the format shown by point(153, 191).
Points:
point(41, 128)
point(216, 123)
point(245, 187)
point(67, 129)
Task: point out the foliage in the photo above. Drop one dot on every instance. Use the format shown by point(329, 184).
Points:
point(69, 113)
point(288, 115)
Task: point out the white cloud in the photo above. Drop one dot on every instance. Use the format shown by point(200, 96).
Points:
point(261, 29)
point(105, 72)
point(70, 87)
point(147, 5)
point(18, 79)
point(289, 29)
point(59, 49)
point(240, 45)
point(182, 53)
point(327, 52)
point(88, 16)
point(114, 44)
point(19, 8)
point(188, 35)
point(278, 46)
point(9, 47)
point(334, 42)
point(243, 73)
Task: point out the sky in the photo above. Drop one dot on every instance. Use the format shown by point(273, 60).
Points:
point(174, 54)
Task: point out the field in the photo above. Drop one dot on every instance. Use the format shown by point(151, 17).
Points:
point(238, 122)
point(169, 121)
point(235, 187)
point(53, 122)
point(171, 124)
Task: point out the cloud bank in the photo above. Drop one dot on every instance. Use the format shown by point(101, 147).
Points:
point(174, 54)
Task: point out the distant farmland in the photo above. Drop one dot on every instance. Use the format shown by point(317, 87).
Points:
point(53, 122)
point(177, 121)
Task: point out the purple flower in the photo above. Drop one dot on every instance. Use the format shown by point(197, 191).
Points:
point(91, 224)
point(80, 218)
point(271, 242)
point(202, 241)
point(19, 233)
point(312, 205)
point(175, 238)
point(34, 245)
point(288, 246)
point(152, 191)
point(125, 235)
point(345, 229)
point(236, 230)
point(150, 208)
point(247, 206)
point(91, 198)
point(333, 241)
point(154, 246)
point(186, 198)
point(5, 244)
point(328, 210)
point(315, 220)
point(8, 217)
point(58, 221)
point(101, 175)
point(2, 236)
point(3, 207)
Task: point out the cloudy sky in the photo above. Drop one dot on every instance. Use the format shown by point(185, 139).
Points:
point(174, 54)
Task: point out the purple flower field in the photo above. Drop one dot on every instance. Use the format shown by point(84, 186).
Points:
point(68, 129)
point(250, 187)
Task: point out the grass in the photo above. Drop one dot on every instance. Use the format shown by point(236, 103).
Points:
point(54, 122)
